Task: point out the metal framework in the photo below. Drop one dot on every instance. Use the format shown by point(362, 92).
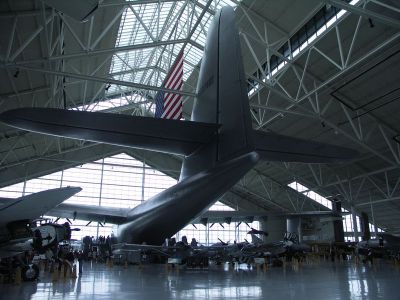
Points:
point(128, 56)
point(372, 135)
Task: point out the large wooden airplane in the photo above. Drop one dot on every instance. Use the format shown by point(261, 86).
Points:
point(219, 144)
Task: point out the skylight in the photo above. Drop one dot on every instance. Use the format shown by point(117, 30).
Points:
point(155, 22)
point(117, 104)
point(166, 21)
point(310, 194)
point(348, 225)
point(296, 50)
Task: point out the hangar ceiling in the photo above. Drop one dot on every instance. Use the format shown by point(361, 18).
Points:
point(320, 70)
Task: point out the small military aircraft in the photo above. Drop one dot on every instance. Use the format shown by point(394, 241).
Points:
point(385, 243)
point(18, 232)
point(258, 249)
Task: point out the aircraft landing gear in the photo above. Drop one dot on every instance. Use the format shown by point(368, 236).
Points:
point(30, 272)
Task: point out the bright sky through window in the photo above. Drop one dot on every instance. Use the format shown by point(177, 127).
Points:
point(124, 182)
point(348, 226)
point(149, 23)
point(310, 194)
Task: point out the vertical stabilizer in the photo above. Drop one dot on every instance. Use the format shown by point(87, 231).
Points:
point(256, 240)
point(222, 97)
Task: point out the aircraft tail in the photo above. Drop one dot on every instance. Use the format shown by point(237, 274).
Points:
point(222, 97)
point(256, 240)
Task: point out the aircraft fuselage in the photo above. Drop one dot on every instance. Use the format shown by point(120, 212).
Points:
point(166, 213)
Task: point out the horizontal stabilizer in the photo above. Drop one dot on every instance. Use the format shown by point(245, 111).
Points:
point(170, 136)
point(89, 213)
point(275, 147)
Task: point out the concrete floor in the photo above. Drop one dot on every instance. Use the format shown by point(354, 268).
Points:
point(323, 281)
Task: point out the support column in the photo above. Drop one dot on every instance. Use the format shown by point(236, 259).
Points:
point(24, 188)
point(338, 224)
point(276, 228)
point(100, 194)
point(143, 178)
point(355, 227)
point(293, 225)
point(366, 234)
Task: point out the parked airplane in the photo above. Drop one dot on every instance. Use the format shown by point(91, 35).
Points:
point(385, 243)
point(16, 233)
point(218, 144)
point(258, 249)
point(16, 215)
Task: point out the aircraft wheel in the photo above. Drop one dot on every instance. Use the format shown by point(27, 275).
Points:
point(30, 272)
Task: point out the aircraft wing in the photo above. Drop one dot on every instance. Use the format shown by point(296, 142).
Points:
point(170, 136)
point(276, 147)
point(276, 248)
point(12, 248)
point(89, 213)
point(215, 216)
point(118, 216)
point(32, 206)
point(228, 217)
point(126, 247)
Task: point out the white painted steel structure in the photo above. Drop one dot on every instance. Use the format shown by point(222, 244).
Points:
point(333, 81)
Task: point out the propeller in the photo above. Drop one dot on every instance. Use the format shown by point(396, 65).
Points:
point(224, 243)
point(256, 231)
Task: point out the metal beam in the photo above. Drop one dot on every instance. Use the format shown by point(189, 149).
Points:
point(364, 12)
point(30, 39)
point(23, 13)
point(141, 2)
point(377, 201)
point(137, 2)
point(105, 80)
point(90, 53)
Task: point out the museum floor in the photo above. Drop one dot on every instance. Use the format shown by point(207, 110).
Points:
point(318, 281)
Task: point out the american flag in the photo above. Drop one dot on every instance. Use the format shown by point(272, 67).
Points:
point(169, 105)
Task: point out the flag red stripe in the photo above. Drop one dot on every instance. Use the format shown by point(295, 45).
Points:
point(174, 66)
point(172, 103)
point(168, 96)
point(174, 81)
point(168, 110)
point(175, 69)
point(178, 73)
point(175, 111)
